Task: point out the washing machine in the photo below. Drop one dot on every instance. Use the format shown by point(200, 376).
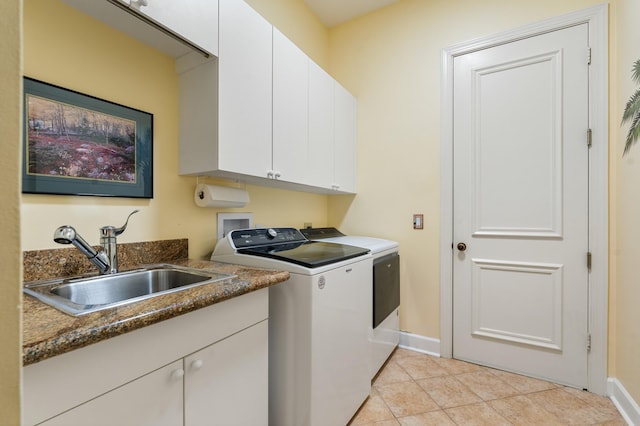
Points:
point(384, 326)
point(318, 322)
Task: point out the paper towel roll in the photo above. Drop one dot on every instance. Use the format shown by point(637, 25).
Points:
point(220, 196)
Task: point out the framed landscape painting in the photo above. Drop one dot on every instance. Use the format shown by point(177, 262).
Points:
point(75, 144)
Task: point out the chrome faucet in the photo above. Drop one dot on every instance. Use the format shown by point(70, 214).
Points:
point(106, 260)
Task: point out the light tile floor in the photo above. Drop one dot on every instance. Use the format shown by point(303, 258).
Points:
point(414, 389)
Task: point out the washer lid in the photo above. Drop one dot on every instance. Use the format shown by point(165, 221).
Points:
point(288, 245)
point(376, 245)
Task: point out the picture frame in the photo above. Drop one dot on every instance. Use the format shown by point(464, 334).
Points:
point(77, 144)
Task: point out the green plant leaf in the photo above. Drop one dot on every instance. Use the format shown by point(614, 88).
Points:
point(633, 134)
point(632, 108)
point(635, 71)
point(632, 111)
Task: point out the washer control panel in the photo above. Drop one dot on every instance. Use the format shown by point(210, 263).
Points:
point(244, 238)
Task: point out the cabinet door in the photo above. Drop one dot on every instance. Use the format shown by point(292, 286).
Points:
point(290, 110)
point(227, 382)
point(321, 127)
point(344, 140)
point(154, 399)
point(194, 20)
point(245, 90)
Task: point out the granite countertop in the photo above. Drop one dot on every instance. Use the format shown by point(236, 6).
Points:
point(48, 332)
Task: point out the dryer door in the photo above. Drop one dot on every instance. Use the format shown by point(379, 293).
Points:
point(386, 286)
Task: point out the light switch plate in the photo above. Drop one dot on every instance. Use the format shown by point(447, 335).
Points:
point(418, 221)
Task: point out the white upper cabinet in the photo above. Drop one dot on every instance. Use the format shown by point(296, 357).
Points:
point(195, 20)
point(332, 133)
point(173, 27)
point(344, 143)
point(290, 111)
point(245, 90)
point(264, 112)
point(321, 127)
point(314, 122)
point(226, 103)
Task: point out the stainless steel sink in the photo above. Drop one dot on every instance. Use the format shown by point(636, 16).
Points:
point(82, 295)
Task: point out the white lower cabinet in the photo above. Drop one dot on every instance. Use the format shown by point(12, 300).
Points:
point(153, 399)
point(224, 383)
point(203, 368)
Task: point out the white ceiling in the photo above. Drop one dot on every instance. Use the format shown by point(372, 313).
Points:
point(334, 12)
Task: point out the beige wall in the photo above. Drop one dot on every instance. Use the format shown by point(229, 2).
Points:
point(10, 253)
point(624, 339)
point(67, 48)
point(296, 21)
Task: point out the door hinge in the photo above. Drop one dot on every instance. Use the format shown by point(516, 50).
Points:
point(589, 260)
point(589, 138)
point(588, 56)
point(589, 342)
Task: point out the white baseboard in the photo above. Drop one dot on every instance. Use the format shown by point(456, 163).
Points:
point(415, 342)
point(628, 408)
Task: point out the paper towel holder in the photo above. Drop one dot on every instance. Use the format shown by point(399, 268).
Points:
point(220, 196)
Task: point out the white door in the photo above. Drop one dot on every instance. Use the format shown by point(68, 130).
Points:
point(521, 168)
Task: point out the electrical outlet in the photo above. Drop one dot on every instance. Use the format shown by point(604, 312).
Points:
point(308, 225)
